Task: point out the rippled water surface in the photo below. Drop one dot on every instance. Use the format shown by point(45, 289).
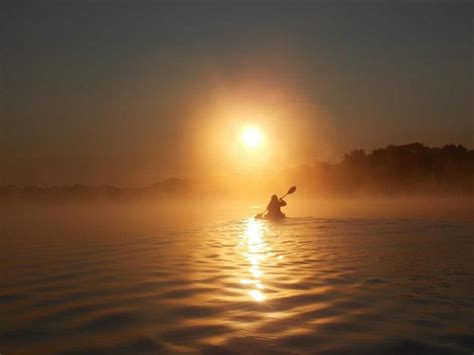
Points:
point(302, 285)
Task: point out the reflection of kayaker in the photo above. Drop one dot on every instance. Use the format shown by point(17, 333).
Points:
point(273, 210)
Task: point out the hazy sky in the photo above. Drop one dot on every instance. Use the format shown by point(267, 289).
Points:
point(131, 92)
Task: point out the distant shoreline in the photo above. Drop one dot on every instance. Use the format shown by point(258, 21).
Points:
point(405, 170)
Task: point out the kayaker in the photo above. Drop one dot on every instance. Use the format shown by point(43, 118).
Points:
point(273, 208)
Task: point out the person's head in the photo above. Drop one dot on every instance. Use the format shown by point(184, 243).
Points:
point(274, 198)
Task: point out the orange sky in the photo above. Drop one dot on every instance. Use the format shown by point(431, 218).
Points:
point(142, 91)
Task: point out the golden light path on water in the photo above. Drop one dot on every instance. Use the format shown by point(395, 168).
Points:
point(256, 250)
point(297, 286)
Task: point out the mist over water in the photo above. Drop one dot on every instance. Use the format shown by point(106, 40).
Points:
point(108, 278)
point(140, 142)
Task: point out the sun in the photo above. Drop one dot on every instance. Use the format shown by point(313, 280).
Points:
point(251, 137)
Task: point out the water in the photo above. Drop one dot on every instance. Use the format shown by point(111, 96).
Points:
point(304, 285)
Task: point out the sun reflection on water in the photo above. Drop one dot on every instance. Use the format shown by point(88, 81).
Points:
point(256, 250)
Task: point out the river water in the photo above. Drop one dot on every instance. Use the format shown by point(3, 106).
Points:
point(303, 285)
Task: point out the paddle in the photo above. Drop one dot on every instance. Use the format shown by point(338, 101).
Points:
point(290, 191)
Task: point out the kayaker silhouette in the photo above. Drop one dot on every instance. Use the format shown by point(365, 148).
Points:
point(273, 210)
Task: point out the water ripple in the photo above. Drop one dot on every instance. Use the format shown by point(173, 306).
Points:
point(299, 286)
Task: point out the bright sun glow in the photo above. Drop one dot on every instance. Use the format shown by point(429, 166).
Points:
point(251, 137)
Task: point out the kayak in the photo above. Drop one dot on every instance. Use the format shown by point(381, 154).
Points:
point(279, 217)
point(271, 218)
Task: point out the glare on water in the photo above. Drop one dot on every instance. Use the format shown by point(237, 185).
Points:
point(256, 250)
point(298, 286)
